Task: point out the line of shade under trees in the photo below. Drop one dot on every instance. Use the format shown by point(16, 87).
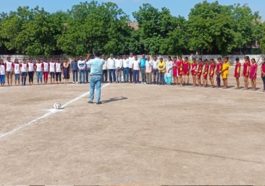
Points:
point(211, 28)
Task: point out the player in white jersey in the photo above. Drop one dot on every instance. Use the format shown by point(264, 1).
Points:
point(58, 71)
point(24, 71)
point(111, 69)
point(2, 72)
point(31, 70)
point(39, 70)
point(52, 71)
point(17, 72)
point(45, 71)
point(118, 66)
point(9, 71)
point(131, 59)
point(126, 68)
point(136, 69)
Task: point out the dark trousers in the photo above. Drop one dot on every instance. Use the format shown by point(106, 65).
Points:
point(31, 76)
point(126, 74)
point(112, 75)
point(155, 76)
point(58, 76)
point(218, 80)
point(75, 76)
point(136, 76)
point(105, 75)
point(87, 71)
point(23, 78)
point(161, 78)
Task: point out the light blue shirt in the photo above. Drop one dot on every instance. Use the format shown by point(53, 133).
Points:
point(142, 62)
point(96, 66)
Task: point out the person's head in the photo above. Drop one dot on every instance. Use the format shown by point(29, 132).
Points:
point(237, 60)
point(16, 60)
point(212, 60)
point(135, 57)
point(96, 54)
point(194, 60)
point(219, 60)
point(24, 60)
point(226, 59)
point(8, 58)
point(247, 58)
point(148, 58)
point(186, 59)
point(161, 59)
point(180, 57)
point(206, 61)
point(253, 60)
point(169, 58)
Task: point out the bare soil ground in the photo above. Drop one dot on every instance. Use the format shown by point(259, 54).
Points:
point(141, 135)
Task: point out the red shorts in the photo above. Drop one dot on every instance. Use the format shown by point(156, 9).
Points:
point(205, 76)
point(253, 77)
point(175, 73)
point(185, 73)
point(211, 75)
point(237, 76)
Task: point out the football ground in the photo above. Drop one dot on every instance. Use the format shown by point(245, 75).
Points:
point(140, 135)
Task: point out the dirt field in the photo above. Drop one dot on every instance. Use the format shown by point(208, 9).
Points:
point(140, 135)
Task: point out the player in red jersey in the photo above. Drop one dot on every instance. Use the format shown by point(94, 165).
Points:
point(194, 66)
point(186, 67)
point(180, 70)
point(205, 73)
point(199, 72)
point(211, 72)
point(246, 68)
point(175, 70)
point(253, 73)
point(218, 71)
point(237, 72)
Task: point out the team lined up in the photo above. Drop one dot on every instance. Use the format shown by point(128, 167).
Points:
point(148, 69)
point(28, 68)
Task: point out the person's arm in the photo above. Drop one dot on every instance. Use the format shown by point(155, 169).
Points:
point(88, 56)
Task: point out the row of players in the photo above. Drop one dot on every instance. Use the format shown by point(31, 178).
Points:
point(130, 68)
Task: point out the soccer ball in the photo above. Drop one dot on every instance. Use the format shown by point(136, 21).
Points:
point(57, 106)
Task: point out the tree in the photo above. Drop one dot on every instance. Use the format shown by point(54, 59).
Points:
point(157, 30)
point(93, 26)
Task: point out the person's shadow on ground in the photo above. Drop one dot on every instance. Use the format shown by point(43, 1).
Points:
point(114, 99)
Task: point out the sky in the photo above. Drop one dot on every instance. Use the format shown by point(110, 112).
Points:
point(177, 7)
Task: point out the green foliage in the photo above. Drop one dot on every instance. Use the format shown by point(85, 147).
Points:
point(215, 28)
point(104, 27)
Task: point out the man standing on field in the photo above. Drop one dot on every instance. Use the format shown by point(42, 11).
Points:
point(96, 72)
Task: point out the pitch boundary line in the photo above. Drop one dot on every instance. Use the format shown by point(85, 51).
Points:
point(49, 113)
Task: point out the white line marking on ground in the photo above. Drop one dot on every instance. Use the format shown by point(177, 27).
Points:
point(49, 113)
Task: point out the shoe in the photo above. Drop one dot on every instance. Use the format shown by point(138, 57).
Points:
point(90, 102)
point(99, 103)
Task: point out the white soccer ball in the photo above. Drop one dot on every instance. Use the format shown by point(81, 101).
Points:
point(57, 106)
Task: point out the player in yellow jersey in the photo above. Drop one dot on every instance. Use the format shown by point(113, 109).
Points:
point(225, 71)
